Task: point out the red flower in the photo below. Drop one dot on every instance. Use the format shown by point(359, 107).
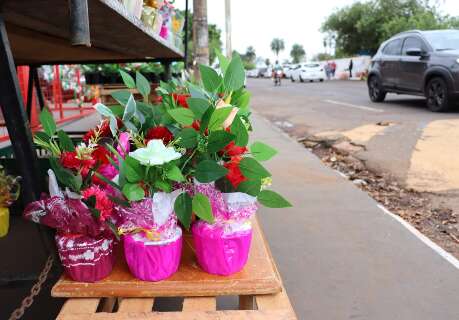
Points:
point(101, 155)
point(234, 172)
point(160, 133)
point(181, 99)
point(69, 160)
point(103, 202)
point(232, 150)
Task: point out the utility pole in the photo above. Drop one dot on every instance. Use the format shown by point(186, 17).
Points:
point(229, 49)
point(200, 35)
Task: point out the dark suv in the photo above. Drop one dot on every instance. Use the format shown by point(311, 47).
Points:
point(419, 63)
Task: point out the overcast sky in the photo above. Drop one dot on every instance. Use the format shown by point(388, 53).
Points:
point(257, 22)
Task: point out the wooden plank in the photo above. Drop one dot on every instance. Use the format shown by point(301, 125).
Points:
point(199, 304)
point(258, 277)
point(246, 303)
point(136, 305)
point(193, 315)
point(80, 305)
point(278, 301)
point(108, 304)
point(113, 30)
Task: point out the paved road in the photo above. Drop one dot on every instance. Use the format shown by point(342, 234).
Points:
point(419, 148)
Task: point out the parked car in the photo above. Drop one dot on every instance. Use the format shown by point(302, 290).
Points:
point(288, 71)
point(253, 73)
point(308, 72)
point(424, 63)
point(268, 73)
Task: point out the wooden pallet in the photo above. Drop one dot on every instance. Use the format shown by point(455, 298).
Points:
point(266, 307)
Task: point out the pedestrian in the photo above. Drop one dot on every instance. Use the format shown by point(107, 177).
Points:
point(327, 70)
point(333, 69)
point(351, 65)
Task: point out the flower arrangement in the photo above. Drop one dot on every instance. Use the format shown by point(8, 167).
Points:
point(9, 192)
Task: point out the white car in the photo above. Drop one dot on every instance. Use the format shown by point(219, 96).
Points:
point(308, 72)
point(253, 73)
point(288, 71)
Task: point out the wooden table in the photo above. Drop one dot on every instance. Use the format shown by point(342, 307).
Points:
point(121, 296)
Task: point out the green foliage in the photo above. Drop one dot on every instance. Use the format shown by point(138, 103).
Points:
point(252, 169)
point(210, 78)
point(183, 209)
point(183, 116)
point(9, 188)
point(218, 117)
point(201, 207)
point(209, 171)
point(65, 143)
point(262, 152)
point(199, 106)
point(277, 45)
point(363, 26)
point(127, 79)
point(234, 75)
point(218, 140)
point(188, 138)
point(297, 53)
point(133, 192)
point(272, 199)
point(47, 122)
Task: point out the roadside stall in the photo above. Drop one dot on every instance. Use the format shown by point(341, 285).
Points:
point(108, 278)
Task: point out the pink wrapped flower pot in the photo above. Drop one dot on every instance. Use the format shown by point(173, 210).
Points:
point(220, 252)
point(153, 260)
point(84, 258)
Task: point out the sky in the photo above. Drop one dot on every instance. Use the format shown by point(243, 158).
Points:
point(256, 22)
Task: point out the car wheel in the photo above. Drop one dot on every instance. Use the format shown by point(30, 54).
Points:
point(321, 80)
point(301, 79)
point(437, 95)
point(375, 90)
point(291, 78)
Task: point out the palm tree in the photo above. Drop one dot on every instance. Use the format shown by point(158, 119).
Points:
point(250, 54)
point(297, 53)
point(277, 45)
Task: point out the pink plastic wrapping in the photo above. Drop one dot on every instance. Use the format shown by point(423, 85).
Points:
point(86, 259)
point(153, 260)
point(68, 216)
point(220, 253)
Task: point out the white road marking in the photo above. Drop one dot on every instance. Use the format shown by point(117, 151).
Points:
point(446, 255)
point(350, 105)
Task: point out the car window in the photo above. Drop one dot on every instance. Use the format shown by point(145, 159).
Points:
point(312, 65)
point(393, 48)
point(413, 43)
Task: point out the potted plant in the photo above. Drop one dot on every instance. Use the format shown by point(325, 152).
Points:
point(9, 192)
point(81, 202)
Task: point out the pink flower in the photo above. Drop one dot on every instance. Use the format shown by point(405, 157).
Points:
point(123, 147)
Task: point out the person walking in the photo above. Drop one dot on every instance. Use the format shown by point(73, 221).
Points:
point(351, 66)
point(333, 69)
point(327, 70)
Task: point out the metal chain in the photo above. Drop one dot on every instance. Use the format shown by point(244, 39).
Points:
point(27, 302)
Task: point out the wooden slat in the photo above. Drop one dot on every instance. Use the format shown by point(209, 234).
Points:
point(192, 315)
point(271, 302)
point(81, 305)
point(136, 305)
point(199, 304)
point(246, 303)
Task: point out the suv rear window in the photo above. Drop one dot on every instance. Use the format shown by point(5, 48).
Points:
point(393, 48)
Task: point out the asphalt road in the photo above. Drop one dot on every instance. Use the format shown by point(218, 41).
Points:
point(419, 148)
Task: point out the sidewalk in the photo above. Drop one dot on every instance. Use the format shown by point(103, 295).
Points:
point(340, 255)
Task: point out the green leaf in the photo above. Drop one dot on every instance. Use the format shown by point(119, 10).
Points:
point(121, 96)
point(234, 75)
point(209, 170)
point(251, 187)
point(201, 207)
point(127, 79)
point(107, 181)
point(119, 201)
point(133, 192)
point(238, 128)
point(113, 228)
point(163, 186)
point(242, 102)
point(252, 169)
point(183, 209)
point(210, 78)
point(65, 176)
point(65, 143)
point(218, 140)
point(223, 61)
point(188, 138)
point(272, 199)
point(48, 123)
point(130, 109)
point(42, 136)
point(198, 106)
point(175, 174)
point(206, 119)
point(182, 115)
point(133, 170)
point(224, 185)
point(196, 92)
point(142, 85)
point(262, 152)
point(218, 117)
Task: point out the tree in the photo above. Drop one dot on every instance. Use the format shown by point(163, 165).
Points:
point(363, 26)
point(322, 57)
point(250, 54)
point(277, 45)
point(215, 42)
point(267, 62)
point(297, 53)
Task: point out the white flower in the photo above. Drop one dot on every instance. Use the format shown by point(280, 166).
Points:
point(155, 154)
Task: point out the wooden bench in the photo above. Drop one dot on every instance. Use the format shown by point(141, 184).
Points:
point(258, 288)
